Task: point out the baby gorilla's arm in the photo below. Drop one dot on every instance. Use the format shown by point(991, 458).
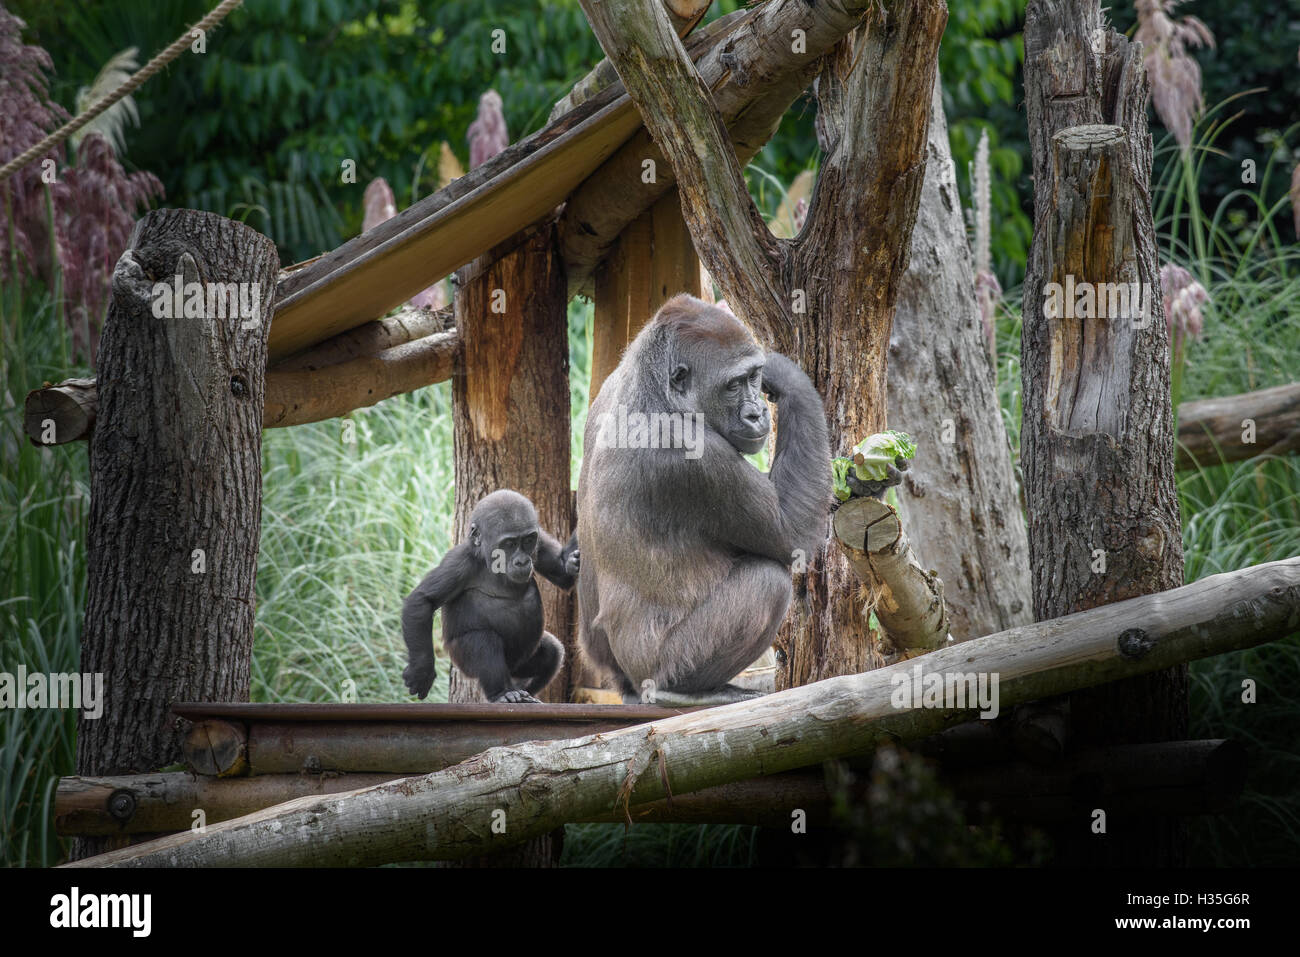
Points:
point(441, 585)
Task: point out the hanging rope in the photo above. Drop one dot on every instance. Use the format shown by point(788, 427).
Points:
point(99, 106)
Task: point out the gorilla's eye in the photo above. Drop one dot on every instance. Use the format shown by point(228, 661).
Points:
point(754, 376)
point(528, 542)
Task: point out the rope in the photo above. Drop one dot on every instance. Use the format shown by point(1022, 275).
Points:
point(177, 47)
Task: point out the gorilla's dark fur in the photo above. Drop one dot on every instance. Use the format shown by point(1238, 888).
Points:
point(686, 560)
point(491, 609)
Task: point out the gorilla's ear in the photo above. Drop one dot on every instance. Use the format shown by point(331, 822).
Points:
point(680, 378)
point(474, 538)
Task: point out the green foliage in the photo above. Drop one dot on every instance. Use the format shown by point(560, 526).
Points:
point(259, 127)
point(980, 60)
point(44, 500)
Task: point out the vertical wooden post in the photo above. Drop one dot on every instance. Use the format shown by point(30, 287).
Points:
point(653, 260)
point(175, 482)
point(510, 408)
point(510, 405)
point(1097, 439)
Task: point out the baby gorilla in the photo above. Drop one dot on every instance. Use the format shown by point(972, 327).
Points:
point(491, 609)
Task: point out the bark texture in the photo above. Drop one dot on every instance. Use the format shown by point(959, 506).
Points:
point(175, 468)
point(960, 501)
point(1097, 439)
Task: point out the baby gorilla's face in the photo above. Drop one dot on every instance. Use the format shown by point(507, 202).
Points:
point(512, 553)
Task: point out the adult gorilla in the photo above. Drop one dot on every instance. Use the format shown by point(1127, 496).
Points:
point(686, 550)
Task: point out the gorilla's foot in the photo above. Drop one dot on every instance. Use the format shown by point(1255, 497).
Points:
point(727, 694)
point(514, 696)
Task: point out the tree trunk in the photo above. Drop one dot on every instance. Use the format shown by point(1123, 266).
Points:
point(536, 786)
point(1097, 439)
point(510, 407)
point(960, 501)
point(175, 490)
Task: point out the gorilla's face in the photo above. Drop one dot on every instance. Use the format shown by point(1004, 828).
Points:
point(730, 396)
point(508, 548)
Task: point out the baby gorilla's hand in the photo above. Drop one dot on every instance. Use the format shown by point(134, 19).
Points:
point(571, 562)
point(419, 676)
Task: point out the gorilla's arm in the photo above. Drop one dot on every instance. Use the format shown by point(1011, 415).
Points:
point(801, 468)
point(557, 565)
point(454, 573)
point(780, 512)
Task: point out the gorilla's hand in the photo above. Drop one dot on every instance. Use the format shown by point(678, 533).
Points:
point(572, 561)
point(419, 676)
point(780, 375)
point(893, 476)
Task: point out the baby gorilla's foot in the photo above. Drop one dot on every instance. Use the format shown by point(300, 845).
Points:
point(727, 694)
point(515, 696)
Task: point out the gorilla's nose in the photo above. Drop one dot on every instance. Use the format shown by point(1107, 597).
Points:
point(754, 418)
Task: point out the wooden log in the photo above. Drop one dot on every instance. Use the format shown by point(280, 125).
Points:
point(652, 261)
point(164, 802)
point(292, 397)
point(54, 414)
point(395, 747)
point(175, 487)
point(408, 325)
point(1184, 777)
point(1097, 441)
point(215, 747)
point(907, 599)
point(295, 398)
point(960, 500)
point(1237, 427)
point(540, 785)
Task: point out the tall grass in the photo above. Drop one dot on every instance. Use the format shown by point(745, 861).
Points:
point(44, 500)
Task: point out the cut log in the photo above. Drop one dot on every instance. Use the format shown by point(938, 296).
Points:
point(1097, 441)
point(540, 785)
point(217, 748)
point(1236, 427)
point(960, 500)
point(55, 414)
point(175, 489)
point(907, 599)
